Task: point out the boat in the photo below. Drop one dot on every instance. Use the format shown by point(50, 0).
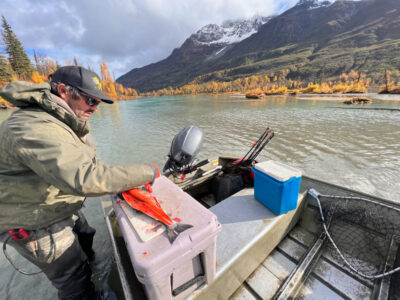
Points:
point(337, 244)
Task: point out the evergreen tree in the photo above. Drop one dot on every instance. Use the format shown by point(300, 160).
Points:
point(5, 72)
point(17, 56)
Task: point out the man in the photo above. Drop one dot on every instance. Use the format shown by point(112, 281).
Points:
point(47, 168)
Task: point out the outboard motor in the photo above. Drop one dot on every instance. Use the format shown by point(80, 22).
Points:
point(184, 148)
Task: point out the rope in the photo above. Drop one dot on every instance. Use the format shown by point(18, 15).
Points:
point(316, 196)
point(18, 269)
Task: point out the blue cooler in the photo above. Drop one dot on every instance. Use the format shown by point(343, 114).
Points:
point(276, 185)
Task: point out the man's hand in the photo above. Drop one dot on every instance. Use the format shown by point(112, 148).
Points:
point(156, 171)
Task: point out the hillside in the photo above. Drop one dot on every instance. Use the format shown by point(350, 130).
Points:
point(315, 40)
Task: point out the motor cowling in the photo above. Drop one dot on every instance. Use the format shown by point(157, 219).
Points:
point(184, 148)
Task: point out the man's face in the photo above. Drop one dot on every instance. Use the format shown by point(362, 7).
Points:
point(81, 106)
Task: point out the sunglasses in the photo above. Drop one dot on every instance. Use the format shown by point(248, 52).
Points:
point(89, 100)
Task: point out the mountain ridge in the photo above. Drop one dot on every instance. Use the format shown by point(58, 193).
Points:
point(313, 39)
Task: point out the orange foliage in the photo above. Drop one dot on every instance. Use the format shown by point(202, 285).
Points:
point(105, 73)
point(36, 78)
point(113, 89)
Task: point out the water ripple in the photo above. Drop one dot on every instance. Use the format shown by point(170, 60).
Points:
point(355, 148)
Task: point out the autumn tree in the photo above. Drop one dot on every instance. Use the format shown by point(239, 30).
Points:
point(36, 58)
point(387, 78)
point(44, 65)
point(344, 77)
point(353, 75)
point(105, 73)
point(17, 56)
point(113, 89)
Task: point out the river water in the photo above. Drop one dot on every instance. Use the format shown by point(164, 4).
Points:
point(353, 146)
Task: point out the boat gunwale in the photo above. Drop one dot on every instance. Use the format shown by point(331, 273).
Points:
point(344, 191)
point(358, 193)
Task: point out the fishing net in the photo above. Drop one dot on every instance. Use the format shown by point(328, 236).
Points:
point(363, 235)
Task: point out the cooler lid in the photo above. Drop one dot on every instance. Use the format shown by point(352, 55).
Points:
point(277, 170)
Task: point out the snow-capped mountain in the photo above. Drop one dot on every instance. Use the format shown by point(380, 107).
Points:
point(229, 32)
point(312, 4)
point(315, 3)
point(312, 37)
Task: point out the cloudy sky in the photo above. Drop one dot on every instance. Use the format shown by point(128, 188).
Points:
point(126, 34)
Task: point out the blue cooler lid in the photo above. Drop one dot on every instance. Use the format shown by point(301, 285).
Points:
point(277, 170)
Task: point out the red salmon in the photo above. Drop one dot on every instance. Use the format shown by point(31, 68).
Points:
point(148, 204)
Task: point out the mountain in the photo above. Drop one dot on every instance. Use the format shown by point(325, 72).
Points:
point(230, 32)
point(185, 63)
point(314, 39)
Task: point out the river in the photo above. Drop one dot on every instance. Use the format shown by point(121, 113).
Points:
point(353, 146)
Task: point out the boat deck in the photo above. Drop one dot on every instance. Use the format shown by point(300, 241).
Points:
point(303, 267)
point(325, 280)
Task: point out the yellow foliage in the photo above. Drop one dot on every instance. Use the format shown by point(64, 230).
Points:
point(324, 88)
point(339, 88)
point(256, 91)
point(279, 91)
point(344, 77)
point(4, 103)
point(393, 89)
point(273, 83)
point(105, 73)
point(36, 78)
point(353, 75)
point(357, 88)
point(311, 88)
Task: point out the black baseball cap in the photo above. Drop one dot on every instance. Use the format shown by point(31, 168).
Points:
point(83, 79)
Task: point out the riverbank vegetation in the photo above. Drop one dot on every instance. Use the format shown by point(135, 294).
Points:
point(256, 86)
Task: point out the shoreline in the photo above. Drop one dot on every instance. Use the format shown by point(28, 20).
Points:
point(305, 96)
point(334, 97)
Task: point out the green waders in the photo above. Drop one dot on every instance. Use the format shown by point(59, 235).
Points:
point(61, 251)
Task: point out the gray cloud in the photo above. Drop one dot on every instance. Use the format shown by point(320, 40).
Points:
point(124, 33)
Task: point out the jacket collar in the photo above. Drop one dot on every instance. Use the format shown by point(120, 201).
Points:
point(25, 94)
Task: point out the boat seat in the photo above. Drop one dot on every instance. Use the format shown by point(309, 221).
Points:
point(250, 231)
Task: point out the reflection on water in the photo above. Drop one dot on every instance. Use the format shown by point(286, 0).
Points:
point(356, 148)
